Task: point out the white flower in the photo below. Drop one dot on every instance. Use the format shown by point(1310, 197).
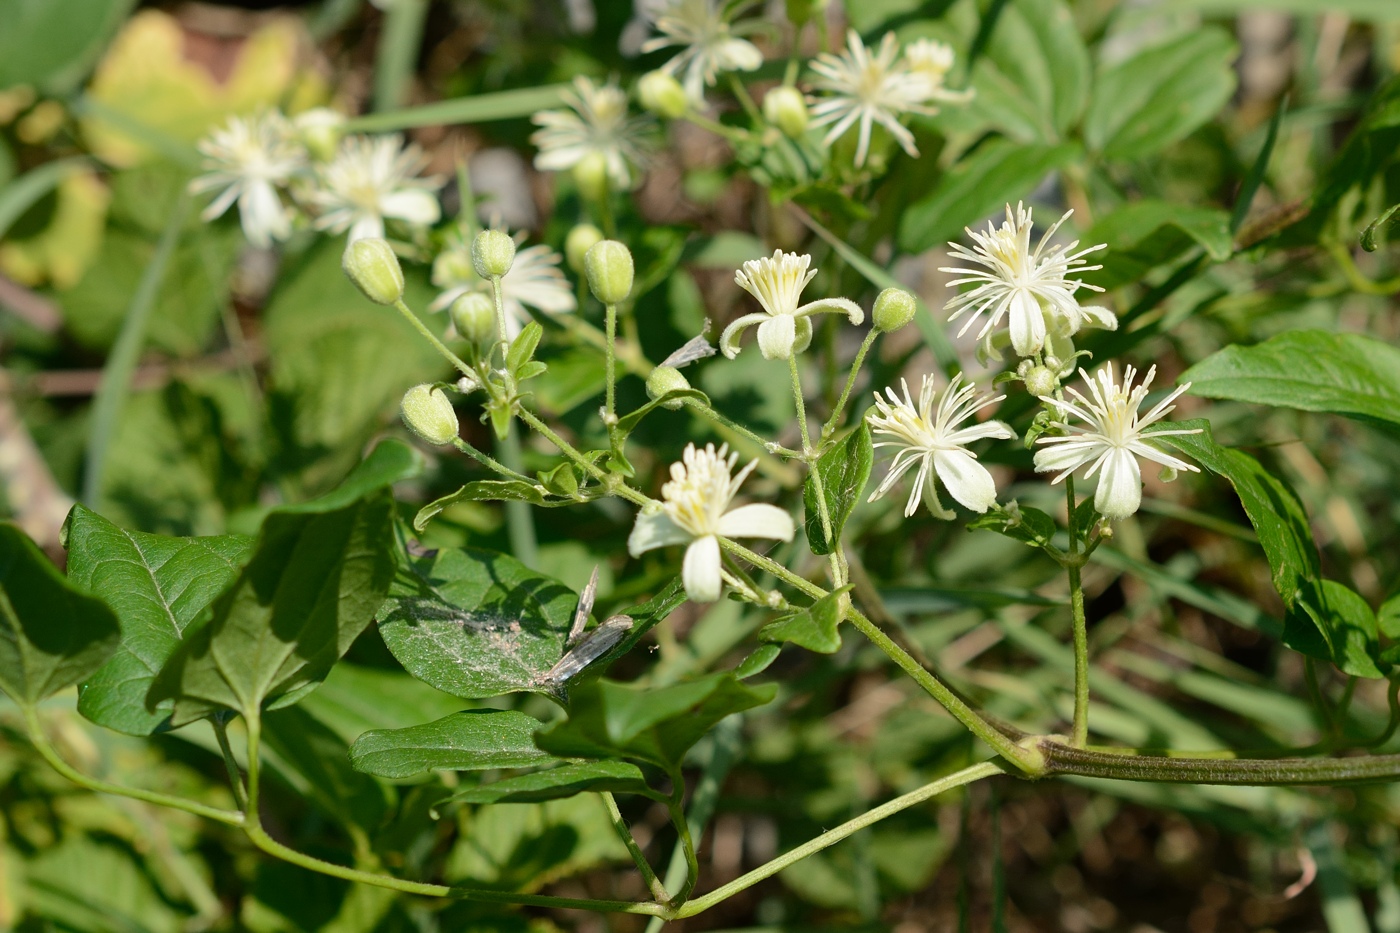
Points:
point(370, 180)
point(869, 89)
point(1031, 286)
point(534, 281)
point(705, 31)
point(1113, 441)
point(249, 158)
point(598, 123)
point(932, 439)
point(932, 61)
point(695, 509)
point(783, 326)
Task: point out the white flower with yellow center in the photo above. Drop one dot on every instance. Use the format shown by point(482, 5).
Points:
point(1033, 287)
point(534, 281)
point(705, 31)
point(784, 327)
point(695, 510)
point(867, 89)
point(597, 123)
point(930, 436)
point(932, 61)
point(249, 158)
point(1113, 441)
point(371, 180)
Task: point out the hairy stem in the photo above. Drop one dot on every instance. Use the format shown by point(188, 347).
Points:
point(815, 474)
point(1128, 765)
point(834, 421)
point(438, 345)
point(1080, 735)
point(654, 885)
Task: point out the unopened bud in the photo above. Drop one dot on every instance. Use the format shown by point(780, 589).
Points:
point(665, 379)
point(493, 251)
point(1041, 381)
point(320, 131)
point(662, 94)
point(428, 413)
point(591, 176)
point(786, 108)
point(894, 307)
point(577, 244)
point(371, 264)
point(608, 265)
point(474, 317)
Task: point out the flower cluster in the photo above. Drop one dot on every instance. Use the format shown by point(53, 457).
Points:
point(287, 172)
point(534, 281)
point(709, 40)
point(597, 138)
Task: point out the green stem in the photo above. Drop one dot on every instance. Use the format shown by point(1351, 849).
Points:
point(654, 885)
point(833, 836)
point(742, 94)
point(1080, 735)
point(520, 524)
point(610, 357)
point(235, 778)
point(677, 813)
point(609, 481)
point(834, 421)
point(438, 345)
point(499, 300)
point(41, 744)
point(815, 474)
point(397, 56)
point(491, 463)
point(115, 384)
point(730, 133)
point(1127, 765)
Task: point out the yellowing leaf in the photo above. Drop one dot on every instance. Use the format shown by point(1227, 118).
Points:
point(64, 249)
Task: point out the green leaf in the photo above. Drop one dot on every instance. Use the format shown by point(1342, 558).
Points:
point(52, 635)
point(1145, 234)
point(157, 586)
point(1388, 617)
point(475, 108)
point(813, 628)
point(996, 173)
point(476, 623)
point(1160, 95)
point(1032, 80)
point(522, 349)
point(629, 421)
point(317, 575)
point(22, 193)
point(616, 777)
point(1312, 370)
point(483, 490)
point(657, 725)
point(1025, 524)
point(52, 43)
point(758, 661)
point(1345, 622)
point(844, 470)
point(472, 740)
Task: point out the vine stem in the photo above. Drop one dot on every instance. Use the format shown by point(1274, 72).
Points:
point(1080, 735)
point(46, 751)
point(490, 462)
point(654, 885)
point(235, 778)
point(831, 837)
point(438, 345)
point(1127, 765)
point(833, 422)
point(610, 356)
point(674, 807)
point(622, 489)
point(815, 474)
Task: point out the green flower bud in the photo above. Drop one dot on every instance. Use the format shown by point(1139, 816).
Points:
point(1041, 380)
point(591, 176)
point(665, 379)
point(493, 251)
point(786, 108)
point(894, 307)
point(577, 244)
point(662, 94)
point(428, 413)
point(474, 316)
point(609, 268)
point(371, 264)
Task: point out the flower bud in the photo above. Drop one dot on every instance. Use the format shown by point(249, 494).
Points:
point(1041, 381)
point(609, 268)
point(662, 94)
point(786, 108)
point(320, 131)
point(665, 379)
point(474, 317)
point(577, 244)
point(371, 264)
point(428, 413)
point(493, 251)
point(591, 176)
point(894, 307)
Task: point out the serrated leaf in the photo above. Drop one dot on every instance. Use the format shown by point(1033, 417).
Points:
point(318, 572)
point(1145, 234)
point(844, 470)
point(1025, 524)
point(657, 725)
point(1311, 370)
point(52, 635)
point(157, 586)
point(996, 173)
point(813, 627)
point(476, 623)
point(616, 777)
point(472, 740)
point(1160, 95)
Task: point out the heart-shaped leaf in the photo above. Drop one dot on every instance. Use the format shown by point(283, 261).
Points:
point(616, 777)
point(813, 628)
point(472, 740)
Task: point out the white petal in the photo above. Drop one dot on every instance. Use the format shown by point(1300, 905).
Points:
point(1027, 323)
point(803, 336)
point(965, 479)
point(369, 226)
point(845, 306)
point(738, 55)
point(412, 205)
point(654, 530)
point(729, 340)
point(263, 217)
point(1120, 486)
point(700, 572)
point(1059, 457)
point(1101, 318)
point(776, 337)
point(757, 521)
